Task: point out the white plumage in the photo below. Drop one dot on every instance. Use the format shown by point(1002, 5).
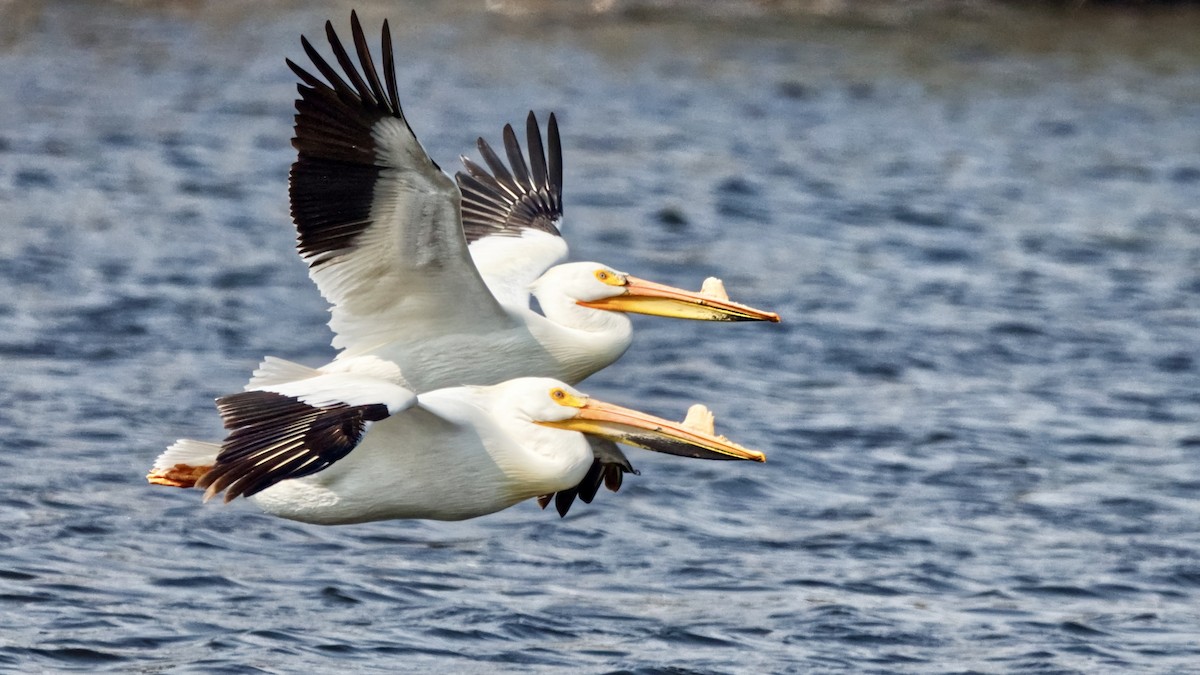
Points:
point(448, 454)
point(429, 281)
point(436, 277)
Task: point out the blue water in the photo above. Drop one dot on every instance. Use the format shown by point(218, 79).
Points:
point(982, 418)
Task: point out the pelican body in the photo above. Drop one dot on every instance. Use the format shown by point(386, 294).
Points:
point(325, 452)
point(442, 461)
point(436, 275)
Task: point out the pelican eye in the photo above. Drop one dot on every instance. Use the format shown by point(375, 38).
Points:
point(563, 397)
point(610, 278)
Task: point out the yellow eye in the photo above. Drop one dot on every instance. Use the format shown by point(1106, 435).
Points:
point(563, 397)
point(610, 278)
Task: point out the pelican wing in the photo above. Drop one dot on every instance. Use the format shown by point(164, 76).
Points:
point(296, 429)
point(511, 214)
point(608, 469)
point(377, 220)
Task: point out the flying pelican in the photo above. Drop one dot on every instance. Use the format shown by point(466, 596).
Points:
point(350, 448)
point(385, 234)
point(429, 281)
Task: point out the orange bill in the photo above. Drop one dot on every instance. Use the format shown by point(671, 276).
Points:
point(631, 427)
point(648, 297)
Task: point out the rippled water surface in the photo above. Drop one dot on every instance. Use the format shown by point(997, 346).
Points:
point(982, 410)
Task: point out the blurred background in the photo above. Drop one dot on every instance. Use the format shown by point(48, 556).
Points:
point(979, 220)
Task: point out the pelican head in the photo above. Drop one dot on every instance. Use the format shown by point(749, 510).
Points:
point(598, 286)
point(550, 403)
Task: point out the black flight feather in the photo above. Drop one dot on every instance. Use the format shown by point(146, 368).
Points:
point(273, 437)
point(508, 199)
point(332, 183)
point(607, 472)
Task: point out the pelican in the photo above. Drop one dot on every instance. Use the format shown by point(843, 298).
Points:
point(436, 276)
point(355, 447)
point(429, 281)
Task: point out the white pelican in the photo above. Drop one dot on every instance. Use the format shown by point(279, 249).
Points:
point(349, 448)
point(429, 283)
point(382, 229)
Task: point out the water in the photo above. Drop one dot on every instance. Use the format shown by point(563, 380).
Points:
point(982, 228)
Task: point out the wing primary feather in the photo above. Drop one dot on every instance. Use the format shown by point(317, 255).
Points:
point(483, 212)
point(613, 477)
point(563, 500)
point(343, 58)
point(234, 483)
point(368, 64)
point(507, 199)
point(486, 190)
point(555, 160)
point(274, 437)
point(500, 172)
point(607, 469)
point(519, 169)
point(336, 83)
point(265, 474)
point(487, 183)
point(591, 482)
point(537, 155)
point(309, 79)
point(476, 171)
point(389, 68)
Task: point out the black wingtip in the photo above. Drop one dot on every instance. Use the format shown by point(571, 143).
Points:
point(608, 472)
point(518, 195)
point(563, 501)
point(389, 67)
point(368, 64)
point(537, 154)
point(333, 180)
point(555, 162)
point(516, 159)
point(274, 437)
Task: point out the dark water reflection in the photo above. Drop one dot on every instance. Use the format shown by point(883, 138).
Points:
point(981, 227)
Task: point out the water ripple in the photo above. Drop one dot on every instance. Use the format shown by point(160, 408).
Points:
point(980, 411)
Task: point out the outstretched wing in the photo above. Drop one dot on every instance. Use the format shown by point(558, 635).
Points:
point(511, 216)
point(506, 202)
point(296, 429)
point(377, 220)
